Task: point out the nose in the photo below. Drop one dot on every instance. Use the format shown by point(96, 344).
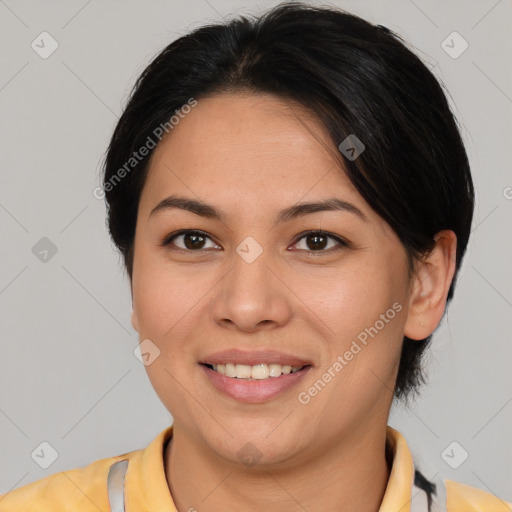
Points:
point(252, 296)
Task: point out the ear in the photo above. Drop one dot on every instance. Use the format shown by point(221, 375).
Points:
point(431, 283)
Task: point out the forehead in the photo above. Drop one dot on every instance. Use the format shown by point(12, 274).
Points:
point(254, 148)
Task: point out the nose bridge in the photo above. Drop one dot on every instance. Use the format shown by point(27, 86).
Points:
point(251, 293)
point(250, 274)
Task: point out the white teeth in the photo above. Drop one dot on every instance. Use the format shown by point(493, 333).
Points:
point(287, 369)
point(275, 370)
point(256, 372)
point(260, 371)
point(230, 369)
point(243, 371)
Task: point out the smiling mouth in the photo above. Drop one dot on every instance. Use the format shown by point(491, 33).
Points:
point(256, 372)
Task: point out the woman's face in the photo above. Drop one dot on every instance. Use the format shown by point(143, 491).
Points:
point(257, 282)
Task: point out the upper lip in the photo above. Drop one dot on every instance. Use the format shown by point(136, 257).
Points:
point(254, 357)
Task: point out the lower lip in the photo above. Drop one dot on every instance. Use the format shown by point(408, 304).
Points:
point(254, 391)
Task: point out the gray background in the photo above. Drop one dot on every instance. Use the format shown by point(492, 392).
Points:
point(68, 374)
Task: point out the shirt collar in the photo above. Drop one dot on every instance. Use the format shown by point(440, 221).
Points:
point(397, 497)
point(146, 484)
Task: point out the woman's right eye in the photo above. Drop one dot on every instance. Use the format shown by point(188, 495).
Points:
point(191, 240)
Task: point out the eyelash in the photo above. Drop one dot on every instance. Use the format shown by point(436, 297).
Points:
point(342, 243)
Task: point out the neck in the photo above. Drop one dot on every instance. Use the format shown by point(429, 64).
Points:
point(351, 474)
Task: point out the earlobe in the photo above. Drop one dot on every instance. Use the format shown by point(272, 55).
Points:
point(429, 290)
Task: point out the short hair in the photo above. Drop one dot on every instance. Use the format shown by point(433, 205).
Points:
point(355, 78)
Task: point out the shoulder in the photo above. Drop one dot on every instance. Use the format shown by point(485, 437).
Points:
point(83, 489)
point(465, 498)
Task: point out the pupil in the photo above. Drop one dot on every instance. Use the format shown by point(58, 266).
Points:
point(194, 237)
point(316, 244)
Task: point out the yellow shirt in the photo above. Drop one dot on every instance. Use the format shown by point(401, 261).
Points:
point(139, 485)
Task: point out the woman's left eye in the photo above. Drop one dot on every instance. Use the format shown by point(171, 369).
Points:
point(316, 241)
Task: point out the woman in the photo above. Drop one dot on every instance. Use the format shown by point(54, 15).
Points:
point(293, 201)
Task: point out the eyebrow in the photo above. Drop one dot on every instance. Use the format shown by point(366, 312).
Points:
point(297, 210)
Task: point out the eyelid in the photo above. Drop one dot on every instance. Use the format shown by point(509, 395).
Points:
point(340, 240)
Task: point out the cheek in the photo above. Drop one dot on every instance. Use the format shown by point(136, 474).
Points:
point(167, 303)
point(169, 300)
point(361, 352)
point(353, 298)
point(363, 309)
point(164, 304)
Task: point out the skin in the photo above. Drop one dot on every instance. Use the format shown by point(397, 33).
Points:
point(251, 155)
